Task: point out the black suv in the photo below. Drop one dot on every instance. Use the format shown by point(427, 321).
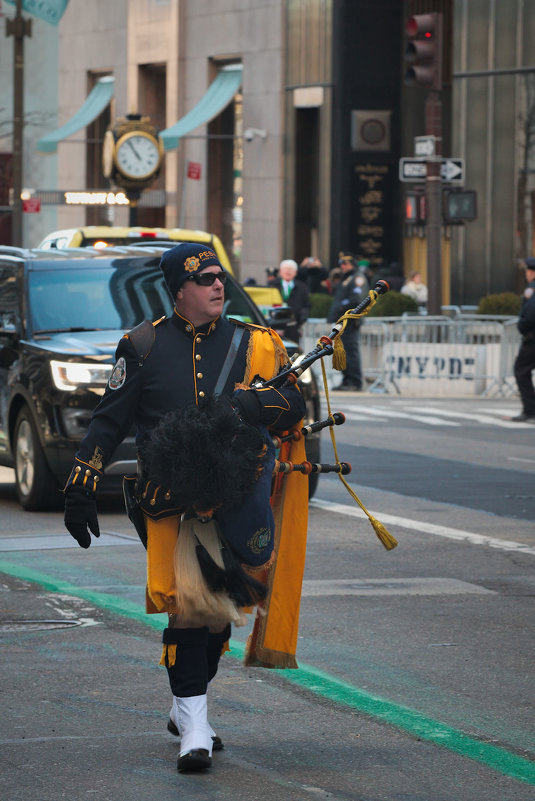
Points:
point(61, 315)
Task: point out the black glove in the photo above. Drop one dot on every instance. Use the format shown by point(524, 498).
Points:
point(81, 512)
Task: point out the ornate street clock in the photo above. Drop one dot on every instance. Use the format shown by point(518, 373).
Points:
point(132, 153)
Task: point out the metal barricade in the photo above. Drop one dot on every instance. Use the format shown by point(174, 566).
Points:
point(432, 355)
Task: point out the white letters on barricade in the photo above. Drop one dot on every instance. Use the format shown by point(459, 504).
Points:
point(436, 368)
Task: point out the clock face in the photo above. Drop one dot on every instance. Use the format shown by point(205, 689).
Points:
point(137, 155)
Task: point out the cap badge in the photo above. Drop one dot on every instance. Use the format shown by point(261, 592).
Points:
point(191, 264)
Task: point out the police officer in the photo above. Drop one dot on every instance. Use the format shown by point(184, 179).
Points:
point(348, 293)
point(175, 362)
point(525, 360)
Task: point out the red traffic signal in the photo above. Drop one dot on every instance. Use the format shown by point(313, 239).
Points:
point(424, 50)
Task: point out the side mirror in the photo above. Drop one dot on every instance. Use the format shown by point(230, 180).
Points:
point(280, 317)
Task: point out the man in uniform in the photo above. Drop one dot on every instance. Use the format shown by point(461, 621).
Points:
point(348, 293)
point(173, 363)
point(525, 360)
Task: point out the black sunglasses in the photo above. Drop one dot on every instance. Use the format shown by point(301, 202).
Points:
point(207, 279)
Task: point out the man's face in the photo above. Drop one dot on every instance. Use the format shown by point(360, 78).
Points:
point(287, 273)
point(346, 266)
point(201, 304)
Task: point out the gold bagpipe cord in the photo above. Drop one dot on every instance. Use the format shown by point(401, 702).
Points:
point(339, 363)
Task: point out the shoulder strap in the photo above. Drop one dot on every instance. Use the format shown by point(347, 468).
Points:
point(229, 360)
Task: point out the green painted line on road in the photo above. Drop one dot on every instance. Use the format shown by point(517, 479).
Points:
point(320, 683)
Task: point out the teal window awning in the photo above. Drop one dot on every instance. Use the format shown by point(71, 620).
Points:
point(219, 94)
point(95, 103)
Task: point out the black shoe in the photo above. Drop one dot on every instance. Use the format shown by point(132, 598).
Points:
point(523, 418)
point(217, 741)
point(348, 388)
point(195, 760)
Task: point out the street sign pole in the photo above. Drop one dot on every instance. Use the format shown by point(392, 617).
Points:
point(433, 190)
point(18, 28)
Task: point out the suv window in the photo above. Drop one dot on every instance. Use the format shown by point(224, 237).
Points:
point(9, 300)
point(117, 295)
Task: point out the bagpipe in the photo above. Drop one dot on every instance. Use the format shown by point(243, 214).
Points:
point(220, 470)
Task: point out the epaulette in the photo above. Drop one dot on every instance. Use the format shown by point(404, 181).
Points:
point(245, 324)
point(142, 338)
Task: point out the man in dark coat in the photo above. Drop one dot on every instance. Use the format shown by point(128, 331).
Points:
point(295, 294)
point(525, 361)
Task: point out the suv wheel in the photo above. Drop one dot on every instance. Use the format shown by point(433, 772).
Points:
point(36, 486)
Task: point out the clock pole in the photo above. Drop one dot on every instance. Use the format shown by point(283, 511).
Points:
point(133, 196)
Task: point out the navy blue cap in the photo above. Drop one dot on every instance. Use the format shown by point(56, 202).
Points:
point(186, 259)
point(530, 263)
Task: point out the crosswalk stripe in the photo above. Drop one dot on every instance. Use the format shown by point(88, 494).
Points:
point(371, 412)
point(432, 416)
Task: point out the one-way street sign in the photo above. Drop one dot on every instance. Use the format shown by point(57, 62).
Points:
point(414, 170)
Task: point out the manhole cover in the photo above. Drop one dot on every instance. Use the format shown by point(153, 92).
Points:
point(36, 625)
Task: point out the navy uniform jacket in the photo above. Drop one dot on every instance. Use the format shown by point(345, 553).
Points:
point(526, 320)
point(351, 291)
point(182, 366)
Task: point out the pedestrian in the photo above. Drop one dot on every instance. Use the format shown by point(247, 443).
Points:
point(170, 371)
point(272, 276)
point(295, 294)
point(525, 360)
point(415, 288)
point(393, 275)
point(335, 276)
point(313, 274)
point(347, 294)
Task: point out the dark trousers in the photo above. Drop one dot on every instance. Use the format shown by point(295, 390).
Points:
point(524, 365)
point(197, 658)
point(351, 343)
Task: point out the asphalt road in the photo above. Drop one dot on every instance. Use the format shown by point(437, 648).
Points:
point(416, 664)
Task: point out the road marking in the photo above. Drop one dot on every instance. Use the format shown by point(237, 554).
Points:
point(426, 528)
point(519, 459)
point(314, 588)
point(430, 415)
point(484, 419)
point(380, 412)
point(335, 690)
point(48, 542)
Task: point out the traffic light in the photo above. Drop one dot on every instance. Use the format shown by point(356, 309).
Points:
point(424, 50)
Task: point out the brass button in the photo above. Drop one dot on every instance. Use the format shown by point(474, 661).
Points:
point(199, 375)
point(198, 357)
point(188, 328)
point(88, 472)
point(198, 339)
point(201, 394)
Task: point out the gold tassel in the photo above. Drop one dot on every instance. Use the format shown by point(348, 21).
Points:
point(385, 537)
point(339, 355)
point(168, 655)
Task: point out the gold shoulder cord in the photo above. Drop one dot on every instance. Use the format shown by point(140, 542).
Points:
point(339, 359)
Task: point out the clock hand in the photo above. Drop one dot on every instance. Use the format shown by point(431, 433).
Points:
point(136, 154)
